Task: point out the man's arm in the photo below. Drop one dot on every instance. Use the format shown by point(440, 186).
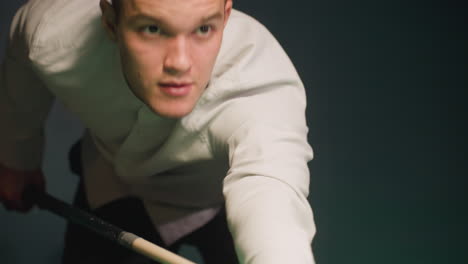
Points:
point(268, 182)
point(24, 105)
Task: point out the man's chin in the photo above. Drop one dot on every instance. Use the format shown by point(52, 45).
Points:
point(171, 111)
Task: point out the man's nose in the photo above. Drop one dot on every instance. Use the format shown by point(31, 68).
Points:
point(178, 59)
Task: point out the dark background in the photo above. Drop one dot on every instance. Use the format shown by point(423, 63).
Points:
point(385, 83)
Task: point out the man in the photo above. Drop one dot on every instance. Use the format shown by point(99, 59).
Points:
point(195, 123)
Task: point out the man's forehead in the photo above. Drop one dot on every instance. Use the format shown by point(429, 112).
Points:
point(169, 8)
point(110, 1)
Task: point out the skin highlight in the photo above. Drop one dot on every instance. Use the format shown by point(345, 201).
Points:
point(168, 48)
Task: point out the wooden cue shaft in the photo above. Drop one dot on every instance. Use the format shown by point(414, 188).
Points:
point(151, 250)
point(129, 240)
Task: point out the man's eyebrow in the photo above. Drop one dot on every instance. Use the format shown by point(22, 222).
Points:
point(141, 16)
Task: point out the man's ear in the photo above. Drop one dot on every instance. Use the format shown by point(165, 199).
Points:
point(227, 11)
point(109, 19)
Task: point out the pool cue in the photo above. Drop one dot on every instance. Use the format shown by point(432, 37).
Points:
point(126, 239)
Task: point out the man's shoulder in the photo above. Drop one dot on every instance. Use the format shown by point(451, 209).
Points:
point(250, 53)
point(253, 80)
point(51, 24)
point(242, 26)
point(240, 16)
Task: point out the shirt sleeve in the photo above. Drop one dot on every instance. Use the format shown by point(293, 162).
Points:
point(24, 103)
point(267, 185)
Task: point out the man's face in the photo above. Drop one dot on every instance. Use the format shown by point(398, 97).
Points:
point(168, 49)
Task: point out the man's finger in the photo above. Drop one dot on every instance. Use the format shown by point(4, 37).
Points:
point(16, 204)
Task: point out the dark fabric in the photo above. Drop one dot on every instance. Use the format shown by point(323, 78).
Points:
point(213, 240)
point(83, 246)
point(74, 158)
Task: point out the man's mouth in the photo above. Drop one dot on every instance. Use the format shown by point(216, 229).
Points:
point(176, 88)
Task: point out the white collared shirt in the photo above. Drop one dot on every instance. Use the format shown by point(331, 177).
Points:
point(244, 144)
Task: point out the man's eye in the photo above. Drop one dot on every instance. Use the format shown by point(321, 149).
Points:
point(204, 30)
point(151, 29)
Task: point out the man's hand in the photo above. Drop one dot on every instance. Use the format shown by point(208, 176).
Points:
point(14, 182)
